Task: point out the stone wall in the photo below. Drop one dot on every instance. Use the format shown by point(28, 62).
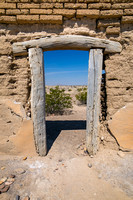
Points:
point(22, 20)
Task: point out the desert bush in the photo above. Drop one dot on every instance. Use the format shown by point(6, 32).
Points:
point(57, 101)
point(79, 89)
point(85, 89)
point(69, 90)
point(82, 96)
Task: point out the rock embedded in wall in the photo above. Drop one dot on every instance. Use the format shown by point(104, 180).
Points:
point(121, 126)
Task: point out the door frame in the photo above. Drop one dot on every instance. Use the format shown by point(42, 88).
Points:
point(35, 48)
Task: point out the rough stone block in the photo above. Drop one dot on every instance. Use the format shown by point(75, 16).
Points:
point(87, 1)
point(7, 5)
point(41, 11)
point(51, 5)
point(113, 30)
point(116, 91)
point(51, 19)
point(46, 5)
point(111, 13)
point(26, 5)
point(12, 1)
point(128, 12)
point(4, 64)
point(5, 47)
point(121, 1)
point(122, 6)
point(17, 1)
point(99, 6)
point(92, 1)
point(7, 19)
point(105, 1)
point(75, 5)
point(127, 19)
point(2, 11)
point(56, 1)
point(25, 1)
point(108, 22)
point(88, 13)
point(17, 11)
point(28, 19)
point(57, 5)
point(64, 12)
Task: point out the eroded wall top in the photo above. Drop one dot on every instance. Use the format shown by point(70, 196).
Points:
point(109, 14)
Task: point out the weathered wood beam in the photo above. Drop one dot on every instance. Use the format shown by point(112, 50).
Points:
point(38, 99)
point(93, 99)
point(74, 42)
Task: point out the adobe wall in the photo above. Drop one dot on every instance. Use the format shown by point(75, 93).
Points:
point(22, 20)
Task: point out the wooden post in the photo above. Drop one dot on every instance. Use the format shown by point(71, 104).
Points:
point(93, 99)
point(38, 99)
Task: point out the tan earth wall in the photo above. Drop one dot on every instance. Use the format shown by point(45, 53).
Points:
point(22, 20)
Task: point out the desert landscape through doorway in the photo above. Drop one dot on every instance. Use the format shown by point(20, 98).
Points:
point(69, 70)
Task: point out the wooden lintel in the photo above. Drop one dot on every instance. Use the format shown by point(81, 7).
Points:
point(74, 42)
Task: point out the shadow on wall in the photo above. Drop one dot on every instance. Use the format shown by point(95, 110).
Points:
point(54, 128)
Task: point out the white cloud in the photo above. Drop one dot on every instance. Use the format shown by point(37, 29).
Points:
point(64, 72)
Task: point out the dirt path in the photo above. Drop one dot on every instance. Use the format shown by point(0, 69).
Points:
point(67, 172)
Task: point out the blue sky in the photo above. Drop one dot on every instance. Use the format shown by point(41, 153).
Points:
point(66, 67)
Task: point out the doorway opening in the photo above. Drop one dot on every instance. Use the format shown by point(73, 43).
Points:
point(97, 48)
point(67, 70)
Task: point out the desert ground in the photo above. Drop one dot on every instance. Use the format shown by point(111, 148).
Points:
point(67, 172)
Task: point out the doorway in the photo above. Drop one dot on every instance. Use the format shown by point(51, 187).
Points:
point(69, 70)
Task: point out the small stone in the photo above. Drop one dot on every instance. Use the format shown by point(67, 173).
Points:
point(89, 165)
point(2, 168)
point(5, 189)
point(91, 156)
point(2, 186)
point(3, 180)
point(17, 197)
point(8, 183)
point(99, 176)
point(26, 198)
point(102, 138)
point(25, 158)
point(8, 121)
point(85, 149)
point(12, 176)
point(20, 171)
point(11, 179)
point(121, 154)
point(28, 114)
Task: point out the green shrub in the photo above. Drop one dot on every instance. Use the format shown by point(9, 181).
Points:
point(82, 96)
point(85, 89)
point(69, 90)
point(57, 101)
point(79, 89)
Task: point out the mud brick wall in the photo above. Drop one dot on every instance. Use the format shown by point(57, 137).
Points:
point(22, 20)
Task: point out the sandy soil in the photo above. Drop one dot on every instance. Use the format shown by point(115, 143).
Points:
point(67, 172)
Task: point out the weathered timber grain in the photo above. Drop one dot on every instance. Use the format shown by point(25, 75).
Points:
point(93, 99)
point(38, 99)
point(74, 42)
